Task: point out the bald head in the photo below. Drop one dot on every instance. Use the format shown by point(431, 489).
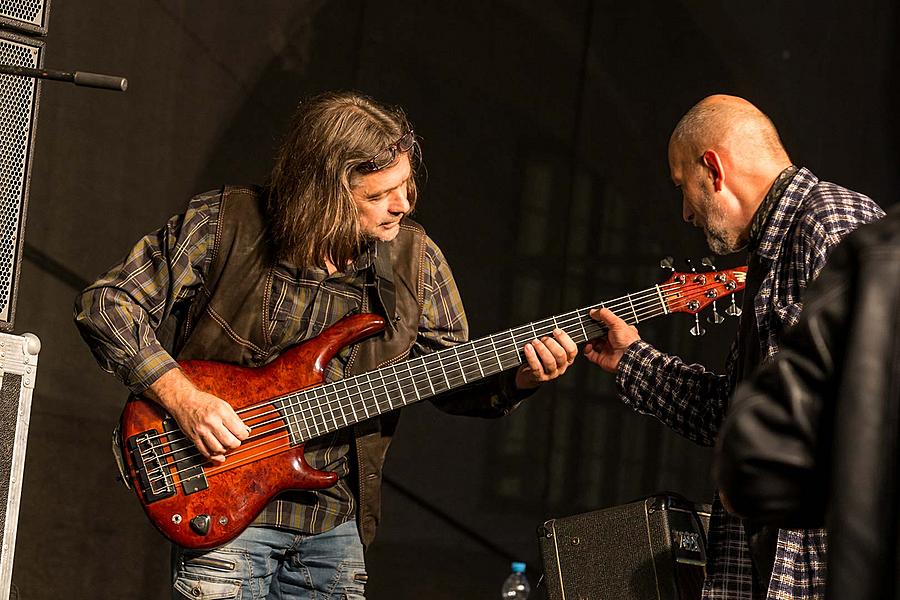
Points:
point(724, 155)
point(732, 126)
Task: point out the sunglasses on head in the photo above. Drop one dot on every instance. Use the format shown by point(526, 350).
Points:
point(386, 157)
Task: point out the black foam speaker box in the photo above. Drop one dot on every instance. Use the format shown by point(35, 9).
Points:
point(651, 549)
point(18, 120)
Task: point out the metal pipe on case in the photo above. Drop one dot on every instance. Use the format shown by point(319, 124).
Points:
point(82, 78)
point(96, 80)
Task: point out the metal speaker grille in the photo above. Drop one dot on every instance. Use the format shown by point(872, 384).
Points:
point(26, 15)
point(18, 109)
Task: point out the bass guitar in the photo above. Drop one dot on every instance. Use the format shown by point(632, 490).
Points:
point(199, 504)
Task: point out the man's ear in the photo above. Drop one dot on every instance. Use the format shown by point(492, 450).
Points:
point(713, 162)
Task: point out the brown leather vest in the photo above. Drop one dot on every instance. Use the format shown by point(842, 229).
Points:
point(229, 320)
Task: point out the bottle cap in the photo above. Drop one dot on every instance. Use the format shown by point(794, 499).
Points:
point(518, 567)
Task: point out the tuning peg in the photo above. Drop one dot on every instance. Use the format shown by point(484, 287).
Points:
point(733, 310)
point(715, 318)
point(697, 330)
point(667, 263)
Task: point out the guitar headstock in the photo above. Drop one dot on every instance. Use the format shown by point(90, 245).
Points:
point(692, 292)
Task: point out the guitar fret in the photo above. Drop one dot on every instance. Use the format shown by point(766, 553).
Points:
point(496, 354)
point(316, 410)
point(331, 411)
point(662, 300)
point(634, 312)
point(399, 388)
point(340, 405)
point(353, 396)
point(324, 406)
point(444, 373)
point(363, 393)
point(515, 345)
point(428, 378)
point(412, 379)
point(478, 362)
point(462, 371)
point(293, 422)
point(310, 409)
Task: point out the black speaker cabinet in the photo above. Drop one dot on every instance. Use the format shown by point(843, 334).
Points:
point(18, 118)
point(651, 549)
point(18, 368)
point(29, 16)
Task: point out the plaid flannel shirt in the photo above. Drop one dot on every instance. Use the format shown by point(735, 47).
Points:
point(809, 219)
point(119, 315)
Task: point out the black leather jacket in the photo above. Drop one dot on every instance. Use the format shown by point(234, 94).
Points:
point(812, 438)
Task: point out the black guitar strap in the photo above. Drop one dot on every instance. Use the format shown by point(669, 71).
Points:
point(384, 283)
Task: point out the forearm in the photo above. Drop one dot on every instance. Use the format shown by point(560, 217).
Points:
point(687, 398)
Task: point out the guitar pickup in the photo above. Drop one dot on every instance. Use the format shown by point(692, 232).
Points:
point(188, 462)
point(149, 463)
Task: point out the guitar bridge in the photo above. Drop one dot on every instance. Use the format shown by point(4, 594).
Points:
point(149, 463)
point(159, 458)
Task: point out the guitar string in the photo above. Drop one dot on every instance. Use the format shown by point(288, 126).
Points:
point(650, 296)
point(562, 321)
point(244, 449)
point(269, 432)
point(244, 459)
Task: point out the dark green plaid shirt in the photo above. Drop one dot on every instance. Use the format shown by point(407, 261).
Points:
point(118, 316)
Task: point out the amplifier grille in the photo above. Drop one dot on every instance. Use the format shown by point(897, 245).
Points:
point(27, 14)
point(18, 96)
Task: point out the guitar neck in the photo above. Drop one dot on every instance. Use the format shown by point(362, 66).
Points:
point(321, 410)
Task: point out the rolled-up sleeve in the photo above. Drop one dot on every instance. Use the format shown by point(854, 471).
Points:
point(119, 314)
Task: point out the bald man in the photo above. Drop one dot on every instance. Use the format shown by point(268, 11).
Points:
point(739, 185)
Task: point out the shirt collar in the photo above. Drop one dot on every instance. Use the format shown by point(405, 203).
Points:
point(361, 263)
point(767, 206)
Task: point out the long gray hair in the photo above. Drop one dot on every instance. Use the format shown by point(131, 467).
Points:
point(310, 208)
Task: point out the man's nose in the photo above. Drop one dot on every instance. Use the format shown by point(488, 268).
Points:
point(399, 202)
point(686, 213)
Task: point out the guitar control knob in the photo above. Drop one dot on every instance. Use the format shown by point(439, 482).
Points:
point(200, 524)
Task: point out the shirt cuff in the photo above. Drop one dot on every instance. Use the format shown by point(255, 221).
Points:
point(148, 365)
point(509, 395)
point(632, 373)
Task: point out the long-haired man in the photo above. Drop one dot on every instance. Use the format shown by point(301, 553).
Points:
point(244, 273)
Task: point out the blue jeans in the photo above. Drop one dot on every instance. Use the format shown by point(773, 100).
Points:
point(274, 564)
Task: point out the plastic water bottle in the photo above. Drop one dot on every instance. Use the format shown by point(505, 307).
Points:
point(516, 585)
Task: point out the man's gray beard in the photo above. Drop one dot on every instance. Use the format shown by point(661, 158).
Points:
point(720, 245)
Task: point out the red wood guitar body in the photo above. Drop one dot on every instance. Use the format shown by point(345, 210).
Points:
point(243, 485)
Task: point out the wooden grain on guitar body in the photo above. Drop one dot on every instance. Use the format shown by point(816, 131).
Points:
point(199, 504)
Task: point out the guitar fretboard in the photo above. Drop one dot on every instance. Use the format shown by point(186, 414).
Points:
point(318, 411)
